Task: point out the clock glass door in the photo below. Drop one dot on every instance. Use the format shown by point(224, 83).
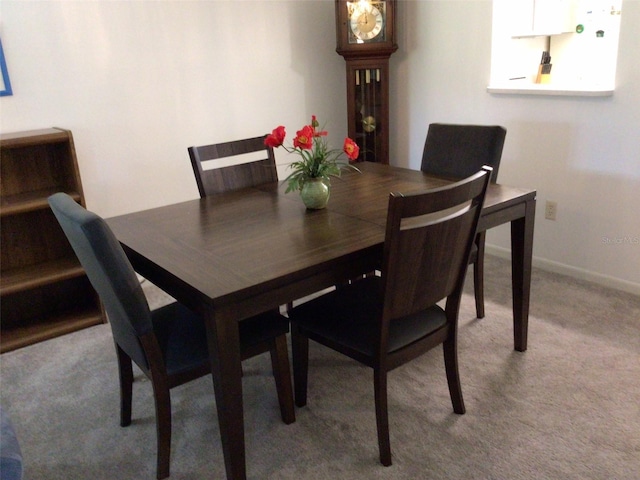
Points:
point(369, 123)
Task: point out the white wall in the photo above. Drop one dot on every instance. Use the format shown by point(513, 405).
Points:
point(583, 153)
point(139, 82)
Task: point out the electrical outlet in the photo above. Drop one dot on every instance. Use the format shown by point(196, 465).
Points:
point(550, 210)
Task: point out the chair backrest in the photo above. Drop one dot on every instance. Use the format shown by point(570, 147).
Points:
point(427, 244)
point(212, 176)
point(110, 273)
point(458, 151)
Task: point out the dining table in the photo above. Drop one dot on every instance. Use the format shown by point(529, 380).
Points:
point(233, 255)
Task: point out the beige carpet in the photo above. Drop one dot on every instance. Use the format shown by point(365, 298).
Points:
point(568, 408)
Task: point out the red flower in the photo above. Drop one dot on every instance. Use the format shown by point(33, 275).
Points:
point(323, 133)
point(275, 138)
point(304, 138)
point(351, 148)
point(317, 159)
point(315, 124)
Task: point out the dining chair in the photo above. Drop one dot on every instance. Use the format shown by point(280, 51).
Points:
point(233, 165)
point(386, 321)
point(11, 467)
point(168, 344)
point(457, 151)
point(251, 163)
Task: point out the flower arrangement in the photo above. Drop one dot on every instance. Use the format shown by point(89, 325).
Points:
point(317, 159)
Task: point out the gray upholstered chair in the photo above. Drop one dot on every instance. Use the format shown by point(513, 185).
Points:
point(10, 453)
point(457, 151)
point(386, 321)
point(168, 344)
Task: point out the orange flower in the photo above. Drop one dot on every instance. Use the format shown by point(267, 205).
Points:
point(351, 148)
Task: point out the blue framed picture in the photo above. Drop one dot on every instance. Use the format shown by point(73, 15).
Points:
point(6, 83)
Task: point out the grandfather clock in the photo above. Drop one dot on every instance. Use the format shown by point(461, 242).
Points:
point(366, 38)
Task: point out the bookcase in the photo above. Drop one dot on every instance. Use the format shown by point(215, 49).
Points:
point(44, 291)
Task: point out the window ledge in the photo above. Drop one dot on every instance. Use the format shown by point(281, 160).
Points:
point(548, 89)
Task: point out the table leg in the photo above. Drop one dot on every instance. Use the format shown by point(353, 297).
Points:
point(226, 370)
point(521, 255)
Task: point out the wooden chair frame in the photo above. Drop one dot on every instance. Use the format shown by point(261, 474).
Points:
point(384, 322)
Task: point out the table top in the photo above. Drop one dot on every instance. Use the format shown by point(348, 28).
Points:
point(260, 245)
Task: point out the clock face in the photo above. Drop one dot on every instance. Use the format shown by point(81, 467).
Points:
point(366, 20)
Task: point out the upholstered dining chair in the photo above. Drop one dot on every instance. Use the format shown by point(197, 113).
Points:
point(457, 151)
point(386, 321)
point(168, 344)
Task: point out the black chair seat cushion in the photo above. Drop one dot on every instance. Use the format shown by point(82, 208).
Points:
point(349, 315)
point(182, 335)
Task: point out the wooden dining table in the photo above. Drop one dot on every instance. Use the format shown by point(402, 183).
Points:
point(237, 254)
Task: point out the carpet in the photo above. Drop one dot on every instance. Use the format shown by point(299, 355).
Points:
point(567, 408)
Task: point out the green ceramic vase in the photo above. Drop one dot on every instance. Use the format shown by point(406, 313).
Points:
point(315, 194)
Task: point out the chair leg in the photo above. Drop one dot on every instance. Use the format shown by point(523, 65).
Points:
point(282, 375)
point(453, 376)
point(162, 399)
point(478, 275)
point(382, 416)
point(125, 374)
point(300, 353)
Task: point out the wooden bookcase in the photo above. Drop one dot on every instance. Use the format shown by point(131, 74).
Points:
point(44, 291)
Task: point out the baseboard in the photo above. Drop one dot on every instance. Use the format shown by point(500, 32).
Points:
point(579, 273)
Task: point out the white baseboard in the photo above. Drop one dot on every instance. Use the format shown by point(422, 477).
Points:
point(579, 273)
